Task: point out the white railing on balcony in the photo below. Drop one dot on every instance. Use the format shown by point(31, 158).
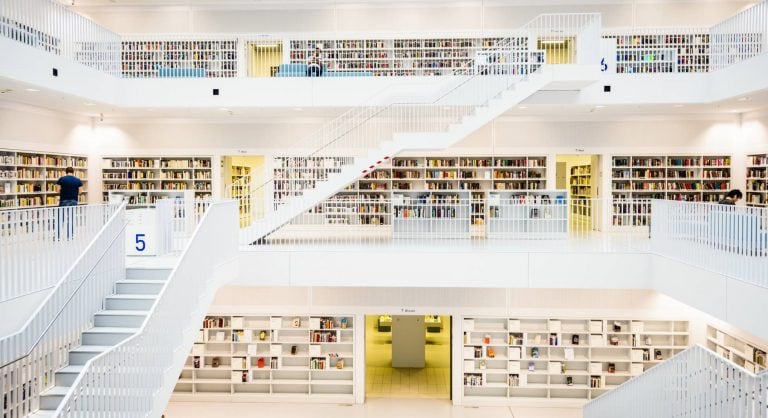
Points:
point(48, 25)
point(135, 378)
point(694, 383)
point(730, 240)
point(29, 357)
point(37, 246)
point(455, 217)
point(661, 50)
point(362, 130)
point(740, 37)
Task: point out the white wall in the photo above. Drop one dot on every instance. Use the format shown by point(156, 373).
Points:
point(438, 17)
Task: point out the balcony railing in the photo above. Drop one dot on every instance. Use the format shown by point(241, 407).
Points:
point(51, 27)
point(694, 383)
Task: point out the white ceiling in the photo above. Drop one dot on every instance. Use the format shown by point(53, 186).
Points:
point(541, 106)
point(312, 4)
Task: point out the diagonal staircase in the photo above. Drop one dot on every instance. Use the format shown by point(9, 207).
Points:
point(386, 132)
point(122, 316)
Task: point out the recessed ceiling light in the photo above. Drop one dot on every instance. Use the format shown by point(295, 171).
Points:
point(298, 109)
point(679, 105)
point(599, 106)
point(743, 99)
point(224, 109)
point(32, 90)
point(89, 104)
point(522, 107)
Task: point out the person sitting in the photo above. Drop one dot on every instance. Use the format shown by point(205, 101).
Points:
point(731, 198)
point(315, 64)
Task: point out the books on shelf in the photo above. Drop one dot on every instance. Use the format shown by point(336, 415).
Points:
point(157, 173)
point(28, 179)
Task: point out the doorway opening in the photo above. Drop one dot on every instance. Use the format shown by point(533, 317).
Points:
point(408, 356)
point(265, 56)
point(580, 175)
point(238, 173)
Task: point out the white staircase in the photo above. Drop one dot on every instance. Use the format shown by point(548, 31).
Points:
point(443, 134)
point(122, 316)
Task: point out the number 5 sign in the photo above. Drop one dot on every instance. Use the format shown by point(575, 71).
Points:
point(608, 56)
point(141, 232)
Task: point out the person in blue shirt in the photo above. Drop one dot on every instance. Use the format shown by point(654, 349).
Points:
point(70, 188)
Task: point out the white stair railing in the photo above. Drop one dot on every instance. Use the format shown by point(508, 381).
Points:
point(730, 240)
point(29, 358)
point(740, 37)
point(135, 378)
point(694, 383)
point(368, 131)
point(37, 246)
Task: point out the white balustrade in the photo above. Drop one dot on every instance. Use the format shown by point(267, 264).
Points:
point(730, 240)
point(52, 27)
point(136, 377)
point(740, 37)
point(37, 246)
point(694, 383)
point(29, 357)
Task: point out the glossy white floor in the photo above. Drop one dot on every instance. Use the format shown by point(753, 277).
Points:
point(372, 408)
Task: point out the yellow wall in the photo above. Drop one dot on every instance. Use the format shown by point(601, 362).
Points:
point(581, 159)
point(558, 53)
point(262, 57)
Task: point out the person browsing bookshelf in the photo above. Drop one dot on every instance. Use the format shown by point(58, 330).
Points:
point(731, 198)
point(69, 188)
point(315, 63)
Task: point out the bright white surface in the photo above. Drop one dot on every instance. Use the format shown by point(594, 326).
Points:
point(372, 408)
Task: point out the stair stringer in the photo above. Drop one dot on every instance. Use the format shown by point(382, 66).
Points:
point(401, 142)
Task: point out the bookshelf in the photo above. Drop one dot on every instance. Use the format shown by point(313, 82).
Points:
point(581, 191)
point(150, 173)
point(662, 53)
point(757, 180)
point(691, 178)
point(242, 192)
point(302, 357)
point(28, 179)
point(514, 359)
point(143, 58)
point(408, 57)
point(744, 353)
point(294, 175)
point(431, 213)
point(516, 214)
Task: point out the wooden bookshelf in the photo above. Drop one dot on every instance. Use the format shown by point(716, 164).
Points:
point(143, 58)
point(757, 180)
point(736, 349)
point(690, 178)
point(295, 357)
point(523, 359)
point(28, 179)
point(581, 190)
point(662, 53)
point(149, 173)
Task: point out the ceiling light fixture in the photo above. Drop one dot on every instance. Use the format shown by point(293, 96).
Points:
point(522, 107)
point(89, 104)
point(679, 105)
point(298, 109)
point(743, 99)
point(224, 109)
point(32, 90)
point(600, 106)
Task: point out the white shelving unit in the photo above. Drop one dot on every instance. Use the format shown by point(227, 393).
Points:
point(757, 180)
point(28, 179)
point(662, 52)
point(256, 357)
point(148, 198)
point(150, 58)
point(430, 213)
point(692, 178)
point(409, 57)
point(746, 354)
point(527, 214)
point(513, 359)
point(158, 173)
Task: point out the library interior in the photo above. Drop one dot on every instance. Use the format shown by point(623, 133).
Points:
point(364, 208)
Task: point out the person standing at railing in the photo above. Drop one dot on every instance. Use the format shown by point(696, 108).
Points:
point(731, 198)
point(315, 63)
point(69, 189)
